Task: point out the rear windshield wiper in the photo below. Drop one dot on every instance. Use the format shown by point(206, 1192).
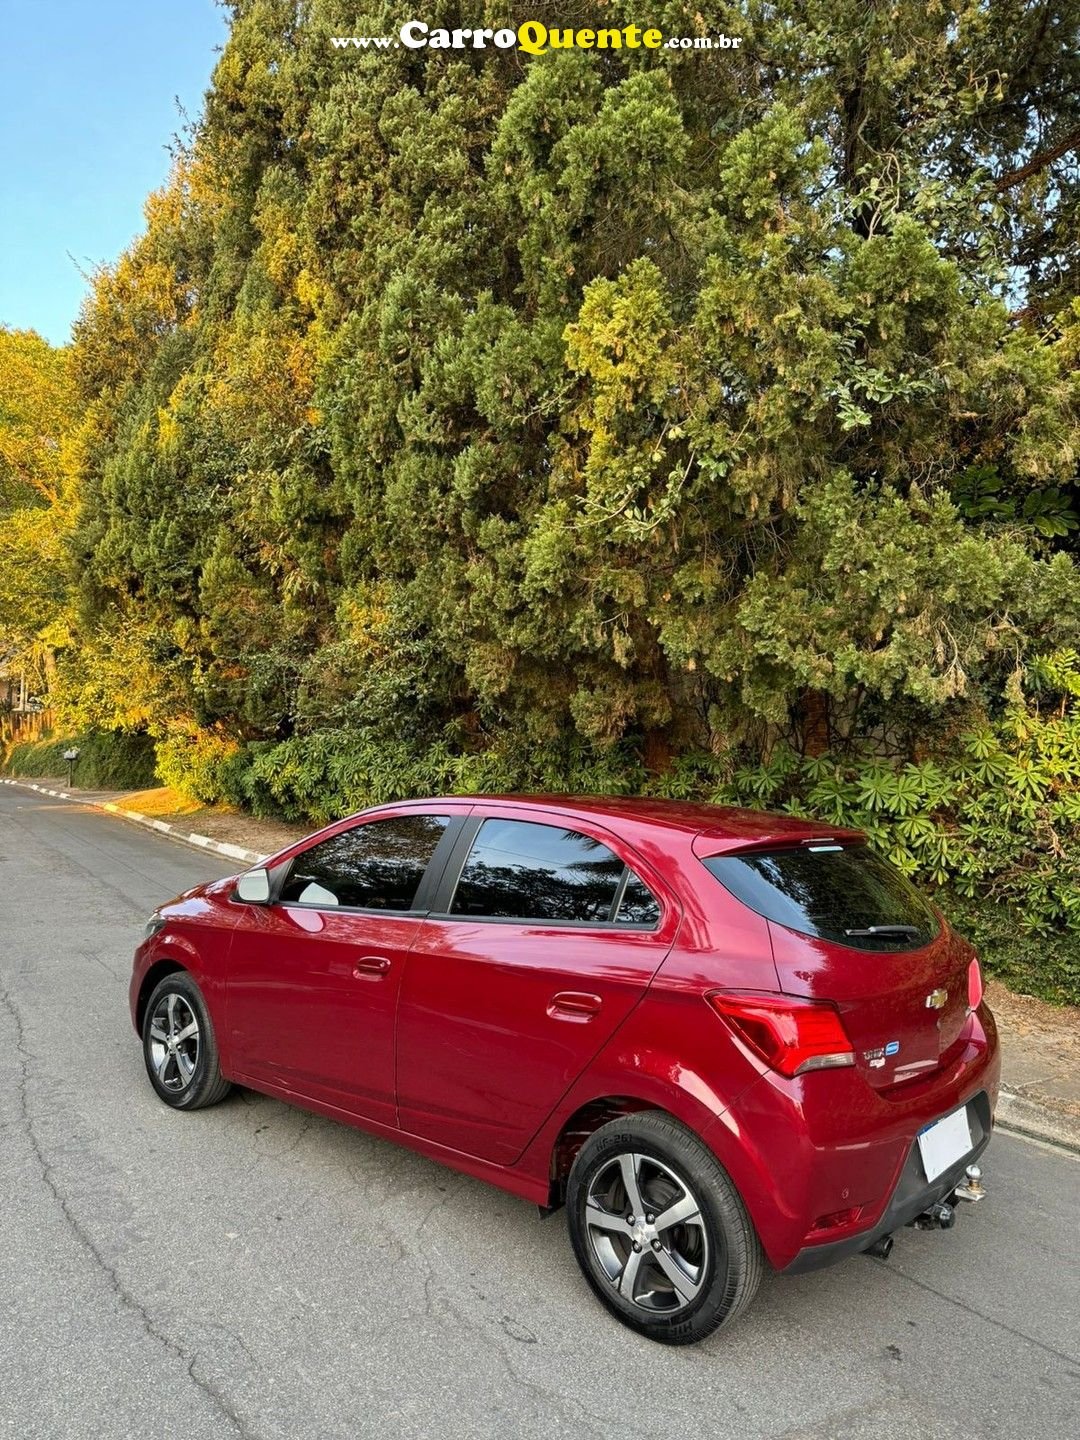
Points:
point(886, 930)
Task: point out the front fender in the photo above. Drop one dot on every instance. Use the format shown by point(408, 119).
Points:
point(176, 946)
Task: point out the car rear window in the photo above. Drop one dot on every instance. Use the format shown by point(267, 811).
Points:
point(850, 895)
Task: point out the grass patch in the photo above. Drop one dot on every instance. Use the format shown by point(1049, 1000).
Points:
point(160, 801)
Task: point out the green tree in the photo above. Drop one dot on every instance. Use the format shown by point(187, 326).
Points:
point(485, 397)
point(36, 418)
point(596, 419)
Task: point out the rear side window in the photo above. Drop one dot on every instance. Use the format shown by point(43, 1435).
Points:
point(851, 896)
point(638, 905)
point(520, 870)
point(377, 866)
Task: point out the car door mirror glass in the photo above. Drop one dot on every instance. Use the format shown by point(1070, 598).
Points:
point(253, 887)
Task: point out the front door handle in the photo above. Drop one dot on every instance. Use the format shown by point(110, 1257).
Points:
point(371, 967)
point(573, 1005)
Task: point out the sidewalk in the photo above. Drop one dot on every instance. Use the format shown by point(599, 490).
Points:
point(1040, 1043)
point(1040, 1047)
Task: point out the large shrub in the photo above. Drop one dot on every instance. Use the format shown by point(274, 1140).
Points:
point(111, 761)
point(990, 826)
point(201, 765)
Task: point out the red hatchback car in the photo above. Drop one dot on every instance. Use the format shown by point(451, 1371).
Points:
point(716, 1036)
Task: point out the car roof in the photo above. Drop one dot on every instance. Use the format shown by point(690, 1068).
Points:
point(716, 828)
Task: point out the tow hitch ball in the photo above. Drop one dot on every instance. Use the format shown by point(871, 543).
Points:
point(971, 1187)
point(942, 1216)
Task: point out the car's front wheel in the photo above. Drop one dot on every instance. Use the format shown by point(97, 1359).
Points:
point(659, 1229)
point(179, 1046)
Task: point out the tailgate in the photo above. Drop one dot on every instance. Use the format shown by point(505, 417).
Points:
point(847, 927)
point(904, 1010)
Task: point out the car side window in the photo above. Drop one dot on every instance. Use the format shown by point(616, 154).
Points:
point(638, 906)
point(374, 866)
point(521, 870)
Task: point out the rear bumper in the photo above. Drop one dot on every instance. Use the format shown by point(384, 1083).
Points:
point(909, 1199)
point(824, 1162)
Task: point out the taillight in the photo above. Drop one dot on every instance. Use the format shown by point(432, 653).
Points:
point(975, 986)
point(790, 1035)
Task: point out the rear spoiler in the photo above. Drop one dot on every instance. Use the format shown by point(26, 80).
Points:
point(705, 846)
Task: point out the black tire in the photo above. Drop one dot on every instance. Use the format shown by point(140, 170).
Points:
point(184, 1071)
point(714, 1256)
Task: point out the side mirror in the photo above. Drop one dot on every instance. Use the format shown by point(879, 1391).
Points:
point(253, 887)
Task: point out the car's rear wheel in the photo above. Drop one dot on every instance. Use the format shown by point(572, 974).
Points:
point(659, 1229)
point(179, 1046)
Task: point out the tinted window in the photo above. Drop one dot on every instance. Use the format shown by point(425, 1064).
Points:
point(523, 871)
point(851, 895)
point(377, 866)
point(638, 905)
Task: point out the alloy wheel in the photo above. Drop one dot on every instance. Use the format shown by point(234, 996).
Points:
point(647, 1233)
point(174, 1042)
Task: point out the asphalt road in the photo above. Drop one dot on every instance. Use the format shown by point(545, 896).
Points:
point(252, 1270)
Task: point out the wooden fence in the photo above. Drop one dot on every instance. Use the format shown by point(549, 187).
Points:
point(19, 726)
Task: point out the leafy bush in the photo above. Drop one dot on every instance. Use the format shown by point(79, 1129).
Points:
point(991, 828)
point(323, 776)
point(107, 761)
point(202, 765)
point(1048, 966)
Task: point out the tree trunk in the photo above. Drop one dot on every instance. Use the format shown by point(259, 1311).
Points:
point(814, 718)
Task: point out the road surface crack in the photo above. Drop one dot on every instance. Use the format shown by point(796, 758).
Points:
point(123, 1296)
point(500, 1335)
point(989, 1319)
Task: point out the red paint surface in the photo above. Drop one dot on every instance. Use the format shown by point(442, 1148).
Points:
point(476, 1042)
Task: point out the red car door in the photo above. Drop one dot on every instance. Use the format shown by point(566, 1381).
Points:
point(545, 943)
point(314, 977)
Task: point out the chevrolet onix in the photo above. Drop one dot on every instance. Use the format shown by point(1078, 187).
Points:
point(719, 1038)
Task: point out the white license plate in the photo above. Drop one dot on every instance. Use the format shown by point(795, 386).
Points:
point(944, 1142)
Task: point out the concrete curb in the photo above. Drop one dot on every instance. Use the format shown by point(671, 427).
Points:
point(1033, 1120)
point(199, 842)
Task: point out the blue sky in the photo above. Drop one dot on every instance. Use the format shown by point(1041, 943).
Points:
point(87, 109)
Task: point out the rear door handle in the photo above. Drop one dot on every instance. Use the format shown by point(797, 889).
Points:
point(574, 1005)
point(371, 967)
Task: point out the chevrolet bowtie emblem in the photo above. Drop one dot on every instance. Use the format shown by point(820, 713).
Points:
point(936, 999)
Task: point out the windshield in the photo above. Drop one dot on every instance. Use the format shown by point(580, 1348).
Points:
point(848, 895)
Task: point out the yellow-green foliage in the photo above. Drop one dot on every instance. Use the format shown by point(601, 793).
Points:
point(36, 503)
point(479, 421)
